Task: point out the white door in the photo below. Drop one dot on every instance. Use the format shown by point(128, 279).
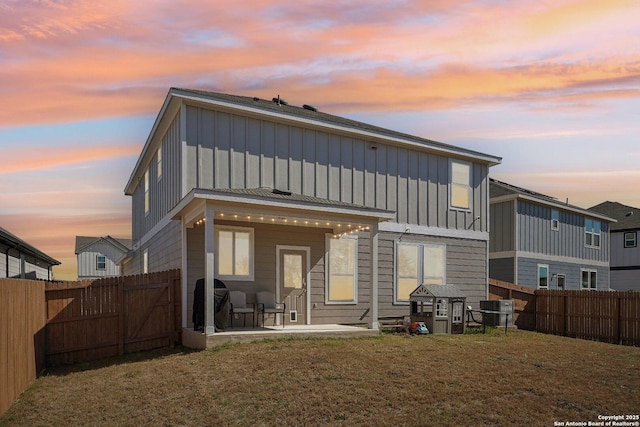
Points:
point(293, 272)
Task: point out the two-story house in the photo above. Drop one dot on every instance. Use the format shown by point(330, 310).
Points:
point(341, 220)
point(542, 243)
point(19, 259)
point(100, 256)
point(625, 251)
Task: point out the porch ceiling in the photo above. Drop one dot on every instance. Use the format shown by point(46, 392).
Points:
point(269, 207)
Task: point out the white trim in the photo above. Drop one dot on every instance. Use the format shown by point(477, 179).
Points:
point(423, 230)
point(217, 250)
point(183, 273)
point(327, 275)
point(420, 272)
point(547, 258)
point(538, 267)
point(307, 250)
point(470, 186)
point(555, 223)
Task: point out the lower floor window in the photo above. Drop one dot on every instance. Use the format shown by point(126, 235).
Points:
point(441, 307)
point(342, 271)
point(543, 276)
point(589, 279)
point(561, 281)
point(417, 264)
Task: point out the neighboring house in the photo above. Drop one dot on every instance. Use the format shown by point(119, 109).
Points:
point(18, 259)
point(339, 219)
point(625, 251)
point(99, 256)
point(542, 243)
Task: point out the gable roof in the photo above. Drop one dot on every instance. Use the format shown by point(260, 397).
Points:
point(305, 115)
point(15, 242)
point(628, 217)
point(501, 191)
point(83, 242)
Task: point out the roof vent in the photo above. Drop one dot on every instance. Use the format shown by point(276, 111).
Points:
point(629, 213)
point(309, 107)
point(280, 101)
point(281, 192)
point(255, 98)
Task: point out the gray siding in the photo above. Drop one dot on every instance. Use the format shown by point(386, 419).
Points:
point(32, 268)
point(621, 256)
point(536, 235)
point(528, 273)
point(625, 280)
point(87, 265)
point(231, 151)
point(502, 230)
point(266, 239)
point(502, 269)
point(466, 267)
point(164, 193)
point(165, 251)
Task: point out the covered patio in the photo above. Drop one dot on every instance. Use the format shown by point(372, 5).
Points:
point(193, 339)
point(257, 240)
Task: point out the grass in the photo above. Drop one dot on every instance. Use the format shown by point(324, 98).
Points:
point(522, 378)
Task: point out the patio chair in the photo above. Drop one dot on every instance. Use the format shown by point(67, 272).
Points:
point(267, 305)
point(239, 306)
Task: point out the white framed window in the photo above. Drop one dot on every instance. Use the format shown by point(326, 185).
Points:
point(416, 264)
point(562, 279)
point(441, 307)
point(341, 261)
point(543, 276)
point(630, 239)
point(589, 279)
point(555, 220)
point(145, 261)
point(159, 162)
point(101, 262)
point(234, 253)
point(146, 192)
point(460, 185)
point(592, 233)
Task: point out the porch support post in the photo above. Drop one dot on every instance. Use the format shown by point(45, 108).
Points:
point(183, 271)
point(373, 247)
point(209, 269)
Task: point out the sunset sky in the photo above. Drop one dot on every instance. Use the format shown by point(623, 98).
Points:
point(551, 86)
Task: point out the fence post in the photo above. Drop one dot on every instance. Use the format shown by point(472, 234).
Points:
point(618, 338)
point(564, 315)
point(121, 317)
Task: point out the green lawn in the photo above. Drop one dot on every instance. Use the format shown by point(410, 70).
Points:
point(521, 378)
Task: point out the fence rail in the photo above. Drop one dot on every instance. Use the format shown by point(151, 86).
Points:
point(48, 323)
point(612, 317)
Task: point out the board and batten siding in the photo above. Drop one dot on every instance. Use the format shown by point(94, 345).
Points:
point(225, 150)
point(87, 262)
point(466, 267)
point(536, 235)
point(165, 251)
point(164, 193)
point(502, 230)
point(621, 256)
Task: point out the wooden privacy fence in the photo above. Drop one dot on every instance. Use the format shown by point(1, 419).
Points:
point(524, 302)
point(91, 320)
point(596, 315)
point(607, 316)
point(22, 324)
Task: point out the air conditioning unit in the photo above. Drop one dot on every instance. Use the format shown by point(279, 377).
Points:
point(500, 309)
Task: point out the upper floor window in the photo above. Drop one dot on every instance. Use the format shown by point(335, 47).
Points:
point(589, 279)
point(592, 232)
point(159, 162)
point(234, 252)
point(555, 220)
point(630, 239)
point(342, 274)
point(146, 192)
point(101, 262)
point(418, 264)
point(145, 261)
point(460, 187)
